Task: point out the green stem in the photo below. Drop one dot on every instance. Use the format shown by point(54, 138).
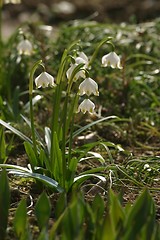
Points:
point(72, 128)
point(35, 66)
point(64, 130)
point(32, 125)
point(64, 59)
point(107, 40)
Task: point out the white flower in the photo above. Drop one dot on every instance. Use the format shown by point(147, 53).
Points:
point(25, 47)
point(88, 86)
point(82, 58)
point(111, 59)
point(79, 74)
point(86, 105)
point(44, 80)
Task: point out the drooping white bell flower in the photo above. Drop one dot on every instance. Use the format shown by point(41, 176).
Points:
point(25, 47)
point(86, 106)
point(82, 58)
point(44, 80)
point(88, 86)
point(79, 74)
point(111, 59)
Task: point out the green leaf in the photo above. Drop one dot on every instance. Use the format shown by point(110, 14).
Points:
point(21, 171)
point(98, 208)
point(43, 210)
point(48, 138)
point(15, 131)
point(142, 209)
point(71, 172)
point(113, 222)
point(44, 159)
point(61, 204)
point(36, 133)
point(20, 220)
point(56, 162)
point(73, 220)
point(15, 104)
point(108, 231)
point(116, 213)
point(114, 118)
point(82, 178)
point(43, 235)
point(31, 154)
point(4, 203)
point(44, 179)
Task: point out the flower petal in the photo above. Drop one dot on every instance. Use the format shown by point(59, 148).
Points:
point(88, 86)
point(44, 80)
point(86, 105)
point(111, 59)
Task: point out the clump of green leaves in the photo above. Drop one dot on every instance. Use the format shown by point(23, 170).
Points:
point(78, 219)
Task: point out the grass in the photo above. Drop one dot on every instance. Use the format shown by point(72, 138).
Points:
point(103, 166)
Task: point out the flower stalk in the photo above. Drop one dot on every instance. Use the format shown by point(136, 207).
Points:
point(107, 40)
point(35, 66)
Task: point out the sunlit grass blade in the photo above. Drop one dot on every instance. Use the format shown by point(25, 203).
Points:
point(82, 178)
